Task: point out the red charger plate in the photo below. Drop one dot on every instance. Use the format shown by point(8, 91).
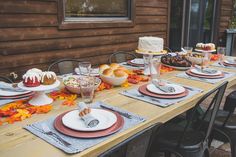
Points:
point(58, 125)
point(143, 89)
point(18, 96)
point(204, 76)
point(228, 64)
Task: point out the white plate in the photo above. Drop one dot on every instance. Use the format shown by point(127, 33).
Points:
point(175, 67)
point(205, 50)
point(12, 93)
point(73, 121)
point(39, 88)
point(137, 61)
point(231, 62)
point(178, 89)
point(198, 72)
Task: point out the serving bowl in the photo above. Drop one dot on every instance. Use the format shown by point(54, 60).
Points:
point(195, 59)
point(72, 83)
point(115, 81)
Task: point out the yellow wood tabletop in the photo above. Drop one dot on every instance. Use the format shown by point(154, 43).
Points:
point(17, 142)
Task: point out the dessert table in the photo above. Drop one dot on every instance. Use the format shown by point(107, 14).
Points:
point(16, 141)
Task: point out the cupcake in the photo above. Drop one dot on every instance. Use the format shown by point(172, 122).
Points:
point(48, 78)
point(31, 79)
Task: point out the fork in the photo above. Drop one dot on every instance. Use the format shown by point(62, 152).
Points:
point(48, 131)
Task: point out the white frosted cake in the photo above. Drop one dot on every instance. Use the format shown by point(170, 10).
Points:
point(153, 44)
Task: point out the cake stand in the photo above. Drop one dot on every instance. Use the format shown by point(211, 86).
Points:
point(40, 98)
point(151, 53)
point(205, 51)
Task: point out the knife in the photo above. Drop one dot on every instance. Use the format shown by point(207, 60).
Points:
point(127, 115)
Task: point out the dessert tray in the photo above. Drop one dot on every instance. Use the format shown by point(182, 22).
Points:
point(175, 61)
point(40, 98)
point(176, 67)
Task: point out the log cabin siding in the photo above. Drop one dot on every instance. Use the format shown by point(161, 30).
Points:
point(30, 34)
point(226, 12)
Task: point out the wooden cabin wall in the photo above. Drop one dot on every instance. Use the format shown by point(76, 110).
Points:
point(30, 37)
point(226, 12)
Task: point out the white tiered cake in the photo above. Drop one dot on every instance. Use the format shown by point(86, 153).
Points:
point(150, 44)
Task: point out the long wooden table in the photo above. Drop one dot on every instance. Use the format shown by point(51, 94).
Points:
point(15, 141)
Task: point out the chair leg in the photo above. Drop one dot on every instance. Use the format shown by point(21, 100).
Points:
point(233, 148)
point(206, 153)
point(167, 154)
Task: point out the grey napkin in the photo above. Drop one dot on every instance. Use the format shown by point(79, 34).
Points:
point(134, 93)
point(80, 144)
point(212, 81)
point(165, 88)
point(9, 87)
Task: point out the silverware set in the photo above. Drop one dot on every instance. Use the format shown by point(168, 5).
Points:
point(49, 132)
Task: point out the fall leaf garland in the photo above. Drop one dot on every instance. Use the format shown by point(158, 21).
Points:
point(20, 110)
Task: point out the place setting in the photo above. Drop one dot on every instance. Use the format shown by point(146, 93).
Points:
point(76, 130)
point(161, 92)
point(89, 124)
point(229, 63)
point(136, 63)
point(223, 61)
point(9, 92)
point(205, 74)
point(85, 68)
point(201, 71)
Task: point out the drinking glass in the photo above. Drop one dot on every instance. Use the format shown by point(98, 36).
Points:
point(206, 58)
point(155, 68)
point(85, 68)
point(189, 50)
point(87, 87)
point(146, 59)
point(221, 53)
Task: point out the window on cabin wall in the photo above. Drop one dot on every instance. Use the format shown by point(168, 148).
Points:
point(98, 11)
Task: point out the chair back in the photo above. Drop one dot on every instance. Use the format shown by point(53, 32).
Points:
point(5, 79)
point(212, 109)
point(229, 106)
point(64, 66)
point(168, 49)
point(121, 56)
point(136, 145)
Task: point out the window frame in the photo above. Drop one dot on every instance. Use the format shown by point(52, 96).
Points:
point(93, 23)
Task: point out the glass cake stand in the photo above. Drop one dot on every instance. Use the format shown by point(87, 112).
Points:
point(40, 98)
